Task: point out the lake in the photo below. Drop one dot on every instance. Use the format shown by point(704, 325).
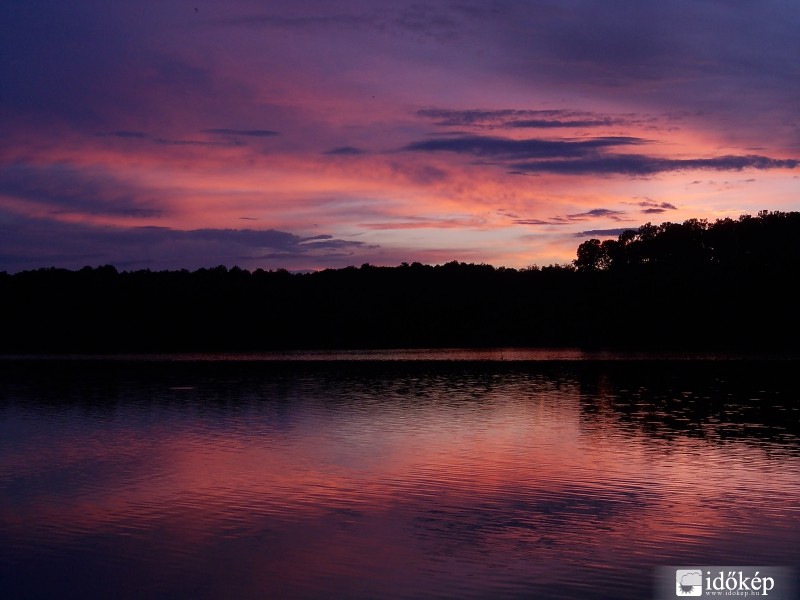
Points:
point(416, 474)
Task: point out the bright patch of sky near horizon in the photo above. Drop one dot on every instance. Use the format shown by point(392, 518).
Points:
point(316, 134)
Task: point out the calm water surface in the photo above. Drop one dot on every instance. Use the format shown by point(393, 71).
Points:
point(479, 476)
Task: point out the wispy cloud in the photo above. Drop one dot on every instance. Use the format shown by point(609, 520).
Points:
point(591, 156)
point(64, 189)
point(32, 242)
point(643, 165)
point(558, 124)
point(431, 21)
point(551, 221)
point(518, 119)
point(509, 148)
point(243, 132)
point(652, 204)
point(595, 213)
point(416, 21)
point(601, 232)
point(300, 22)
point(232, 137)
point(649, 207)
point(345, 151)
point(167, 142)
point(409, 222)
point(608, 213)
point(124, 134)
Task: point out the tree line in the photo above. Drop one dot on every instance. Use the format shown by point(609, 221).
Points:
point(729, 284)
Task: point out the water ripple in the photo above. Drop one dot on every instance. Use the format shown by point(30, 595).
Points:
point(398, 482)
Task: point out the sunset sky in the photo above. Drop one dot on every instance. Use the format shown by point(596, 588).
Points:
point(314, 134)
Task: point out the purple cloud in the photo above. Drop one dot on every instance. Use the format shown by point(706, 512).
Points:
point(345, 151)
point(243, 132)
point(508, 148)
point(595, 213)
point(642, 165)
point(30, 243)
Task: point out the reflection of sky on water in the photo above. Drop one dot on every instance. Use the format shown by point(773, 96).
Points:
point(376, 483)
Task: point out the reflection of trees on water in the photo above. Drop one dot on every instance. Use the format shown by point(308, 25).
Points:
point(715, 400)
point(718, 400)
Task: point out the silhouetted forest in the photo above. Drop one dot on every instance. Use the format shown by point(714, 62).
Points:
point(730, 284)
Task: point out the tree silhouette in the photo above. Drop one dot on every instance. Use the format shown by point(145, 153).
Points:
point(727, 284)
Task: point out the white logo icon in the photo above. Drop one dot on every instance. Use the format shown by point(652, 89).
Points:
point(688, 582)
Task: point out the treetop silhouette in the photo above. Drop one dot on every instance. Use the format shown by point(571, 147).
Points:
point(691, 285)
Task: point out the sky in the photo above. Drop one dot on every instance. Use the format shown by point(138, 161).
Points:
point(313, 134)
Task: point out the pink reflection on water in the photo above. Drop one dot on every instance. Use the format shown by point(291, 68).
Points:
point(407, 491)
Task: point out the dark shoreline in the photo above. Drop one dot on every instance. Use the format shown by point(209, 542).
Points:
point(688, 288)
